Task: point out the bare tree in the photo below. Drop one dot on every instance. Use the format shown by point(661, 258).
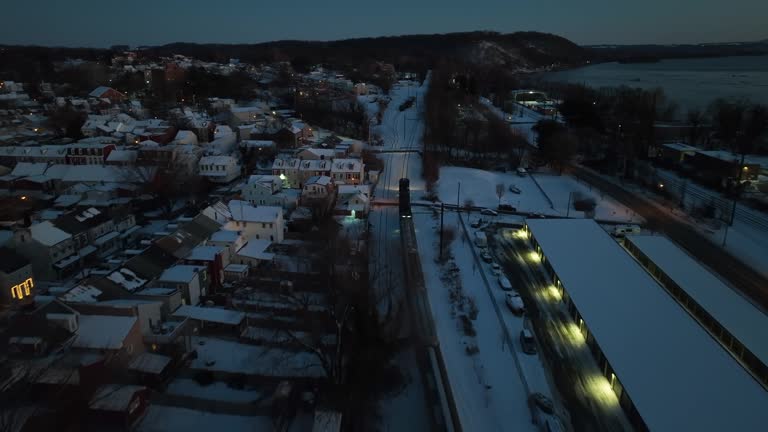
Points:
point(500, 189)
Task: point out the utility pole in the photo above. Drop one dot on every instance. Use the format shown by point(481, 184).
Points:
point(442, 212)
point(568, 209)
point(735, 198)
point(458, 197)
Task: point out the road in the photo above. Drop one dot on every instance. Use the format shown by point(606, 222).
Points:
point(741, 276)
point(576, 374)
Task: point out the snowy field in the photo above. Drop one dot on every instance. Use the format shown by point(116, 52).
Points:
point(171, 419)
point(480, 187)
point(217, 390)
point(491, 387)
point(228, 356)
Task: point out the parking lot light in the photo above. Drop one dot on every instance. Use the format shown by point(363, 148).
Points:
point(533, 256)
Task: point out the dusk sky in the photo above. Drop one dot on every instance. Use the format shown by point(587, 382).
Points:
point(143, 22)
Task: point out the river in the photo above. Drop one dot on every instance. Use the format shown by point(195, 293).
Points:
point(691, 83)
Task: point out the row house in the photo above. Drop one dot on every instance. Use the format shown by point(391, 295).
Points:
point(313, 168)
point(219, 169)
point(288, 171)
point(88, 153)
point(264, 222)
point(49, 154)
point(50, 249)
point(348, 171)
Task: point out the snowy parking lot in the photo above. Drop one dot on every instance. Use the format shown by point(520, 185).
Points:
point(490, 380)
point(551, 196)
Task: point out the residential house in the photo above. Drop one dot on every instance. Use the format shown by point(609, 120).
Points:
point(312, 153)
point(254, 253)
point(109, 93)
point(122, 157)
point(88, 153)
point(318, 188)
point(232, 240)
point(214, 319)
point(264, 190)
point(117, 406)
point(219, 169)
point(50, 249)
point(313, 168)
point(354, 200)
point(191, 280)
point(117, 337)
point(288, 171)
point(17, 285)
point(348, 171)
point(263, 222)
point(214, 259)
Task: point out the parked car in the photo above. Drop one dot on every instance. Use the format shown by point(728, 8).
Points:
point(488, 212)
point(481, 240)
point(485, 256)
point(507, 207)
point(476, 224)
point(542, 402)
point(514, 189)
point(515, 303)
point(622, 230)
point(496, 268)
point(504, 283)
point(527, 341)
point(522, 172)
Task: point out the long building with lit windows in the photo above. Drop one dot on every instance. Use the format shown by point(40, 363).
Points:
point(730, 318)
point(666, 370)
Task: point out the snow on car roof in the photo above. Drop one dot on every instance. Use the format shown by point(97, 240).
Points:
point(669, 366)
point(719, 300)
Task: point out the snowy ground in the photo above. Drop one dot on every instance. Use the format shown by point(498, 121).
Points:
point(480, 187)
point(406, 411)
point(171, 419)
point(491, 387)
point(743, 241)
point(219, 391)
point(228, 356)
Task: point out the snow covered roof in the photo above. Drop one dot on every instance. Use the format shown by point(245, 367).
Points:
point(292, 163)
point(258, 143)
point(82, 294)
point(103, 331)
point(225, 236)
point(204, 253)
point(127, 279)
point(114, 397)
point(315, 165)
point(681, 147)
point(677, 376)
point(242, 211)
point(217, 160)
point(720, 301)
point(122, 156)
point(347, 165)
point(255, 249)
point(47, 234)
point(99, 91)
point(149, 363)
point(354, 190)
point(319, 180)
point(180, 273)
point(211, 314)
point(26, 169)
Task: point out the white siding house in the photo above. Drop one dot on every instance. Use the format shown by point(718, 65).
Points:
point(219, 169)
point(265, 222)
